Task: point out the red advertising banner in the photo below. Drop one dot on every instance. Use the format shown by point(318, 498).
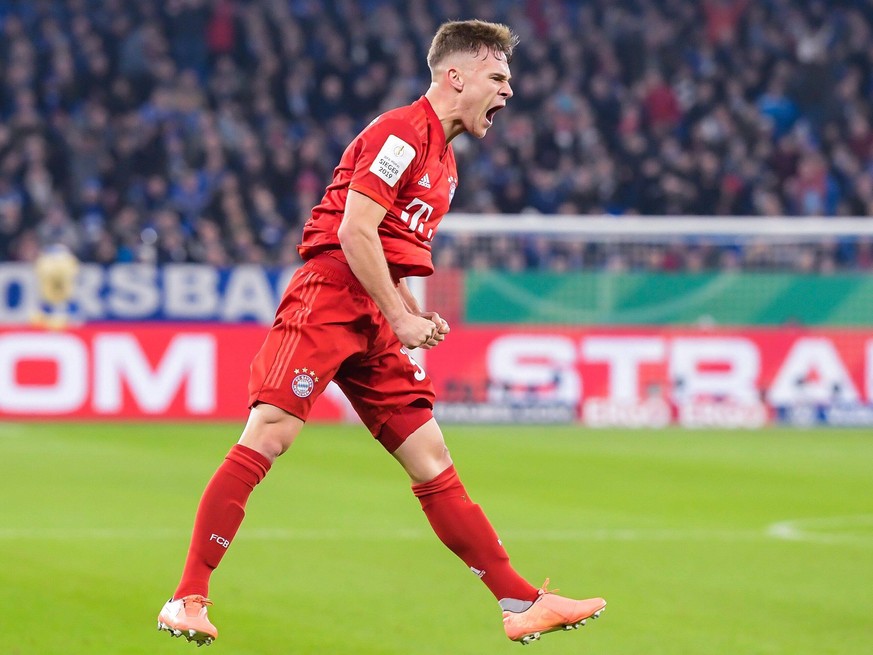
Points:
point(157, 370)
point(634, 377)
point(741, 377)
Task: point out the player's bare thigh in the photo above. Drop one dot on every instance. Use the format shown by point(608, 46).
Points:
point(270, 430)
point(424, 454)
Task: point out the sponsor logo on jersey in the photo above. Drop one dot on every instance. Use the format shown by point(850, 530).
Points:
point(453, 184)
point(304, 382)
point(418, 218)
point(424, 181)
point(393, 159)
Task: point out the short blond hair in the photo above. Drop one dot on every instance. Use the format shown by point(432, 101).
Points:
point(470, 36)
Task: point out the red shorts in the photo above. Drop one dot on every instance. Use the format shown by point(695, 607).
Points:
point(328, 328)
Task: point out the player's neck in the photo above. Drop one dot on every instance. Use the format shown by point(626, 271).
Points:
point(446, 110)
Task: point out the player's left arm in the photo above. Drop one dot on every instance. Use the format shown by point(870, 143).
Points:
point(414, 307)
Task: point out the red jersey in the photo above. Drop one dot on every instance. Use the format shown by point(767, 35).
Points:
point(402, 162)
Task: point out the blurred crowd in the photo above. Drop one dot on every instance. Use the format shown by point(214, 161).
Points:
point(206, 130)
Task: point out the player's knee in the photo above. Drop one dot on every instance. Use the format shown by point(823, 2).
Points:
point(440, 455)
point(270, 430)
point(423, 462)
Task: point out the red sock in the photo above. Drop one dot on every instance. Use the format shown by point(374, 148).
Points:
point(463, 527)
point(219, 515)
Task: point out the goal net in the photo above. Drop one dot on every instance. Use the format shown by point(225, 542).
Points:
point(648, 321)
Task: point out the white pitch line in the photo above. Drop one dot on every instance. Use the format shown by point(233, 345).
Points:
point(394, 534)
point(856, 529)
point(826, 530)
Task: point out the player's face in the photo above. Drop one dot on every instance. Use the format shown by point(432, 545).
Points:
point(487, 92)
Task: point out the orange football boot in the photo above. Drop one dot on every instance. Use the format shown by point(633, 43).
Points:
point(549, 613)
point(186, 617)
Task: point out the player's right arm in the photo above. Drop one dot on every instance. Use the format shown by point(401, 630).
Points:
point(359, 238)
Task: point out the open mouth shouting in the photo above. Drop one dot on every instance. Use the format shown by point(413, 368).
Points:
point(489, 114)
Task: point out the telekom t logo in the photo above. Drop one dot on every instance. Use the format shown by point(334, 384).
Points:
point(417, 220)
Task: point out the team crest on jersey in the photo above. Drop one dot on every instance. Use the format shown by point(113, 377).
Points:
point(453, 184)
point(303, 382)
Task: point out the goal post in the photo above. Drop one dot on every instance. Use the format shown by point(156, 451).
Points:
point(659, 228)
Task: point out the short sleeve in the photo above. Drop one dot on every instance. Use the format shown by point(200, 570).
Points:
point(384, 157)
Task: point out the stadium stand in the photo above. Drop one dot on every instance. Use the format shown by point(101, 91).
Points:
point(205, 130)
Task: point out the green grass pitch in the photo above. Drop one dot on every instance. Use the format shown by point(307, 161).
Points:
point(710, 543)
